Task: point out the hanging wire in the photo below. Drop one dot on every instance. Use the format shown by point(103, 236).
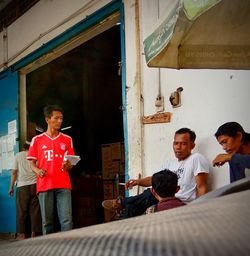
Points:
point(159, 69)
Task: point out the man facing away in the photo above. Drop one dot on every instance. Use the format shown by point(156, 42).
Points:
point(191, 168)
point(46, 154)
point(27, 204)
point(164, 187)
point(236, 142)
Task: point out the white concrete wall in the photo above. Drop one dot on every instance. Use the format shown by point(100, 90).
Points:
point(210, 97)
point(44, 21)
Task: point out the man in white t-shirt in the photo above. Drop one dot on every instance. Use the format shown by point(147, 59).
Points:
point(192, 170)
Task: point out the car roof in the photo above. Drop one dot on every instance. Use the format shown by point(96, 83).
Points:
point(218, 226)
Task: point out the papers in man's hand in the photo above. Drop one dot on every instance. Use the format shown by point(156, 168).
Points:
point(73, 159)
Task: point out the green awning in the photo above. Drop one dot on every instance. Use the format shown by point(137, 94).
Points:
point(201, 34)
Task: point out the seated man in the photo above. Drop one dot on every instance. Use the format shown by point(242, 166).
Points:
point(236, 142)
point(191, 168)
point(164, 187)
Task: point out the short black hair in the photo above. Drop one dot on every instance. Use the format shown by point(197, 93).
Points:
point(189, 131)
point(165, 183)
point(26, 145)
point(231, 129)
point(48, 110)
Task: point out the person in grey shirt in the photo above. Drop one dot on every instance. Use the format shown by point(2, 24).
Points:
point(27, 204)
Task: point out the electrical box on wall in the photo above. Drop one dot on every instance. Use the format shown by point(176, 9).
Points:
point(175, 97)
point(159, 103)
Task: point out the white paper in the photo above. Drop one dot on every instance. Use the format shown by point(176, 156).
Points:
point(12, 127)
point(73, 159)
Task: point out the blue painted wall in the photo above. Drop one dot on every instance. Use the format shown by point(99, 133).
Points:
point(8, 112)
point(9, 96)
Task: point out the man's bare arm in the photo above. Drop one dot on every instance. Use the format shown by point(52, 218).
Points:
point(145, 182)
point(201, 183)
point(221, 159)
point(39, 172)
point(12, 182)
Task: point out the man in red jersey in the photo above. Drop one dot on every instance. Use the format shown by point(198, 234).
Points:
point(47, 156)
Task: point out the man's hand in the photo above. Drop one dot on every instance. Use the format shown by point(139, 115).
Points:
point(11, 192)
point(221, 159)
point(131, 183)
point(41, 173)
point(66, 165)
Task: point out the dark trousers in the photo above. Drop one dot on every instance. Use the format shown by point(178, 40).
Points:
point(137, 205)
point(237, 170)
point(27, 207)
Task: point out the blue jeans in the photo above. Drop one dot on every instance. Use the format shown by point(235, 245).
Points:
point(61, 198)
point(237, 164)
point(137, 205)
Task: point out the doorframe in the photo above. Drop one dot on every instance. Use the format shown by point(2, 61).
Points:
point(96, 23)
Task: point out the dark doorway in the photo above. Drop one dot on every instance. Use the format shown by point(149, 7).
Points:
point(87, 84)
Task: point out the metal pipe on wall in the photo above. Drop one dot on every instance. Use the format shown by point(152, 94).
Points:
point(138, 75)
point(5, 47)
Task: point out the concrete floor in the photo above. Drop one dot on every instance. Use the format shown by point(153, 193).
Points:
point(6, 241)
point(6, 238)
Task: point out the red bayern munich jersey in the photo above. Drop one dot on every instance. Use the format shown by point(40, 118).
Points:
point(50, 153)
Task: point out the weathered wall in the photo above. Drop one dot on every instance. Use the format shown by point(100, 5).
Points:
point(44, 21)
point(210, 97)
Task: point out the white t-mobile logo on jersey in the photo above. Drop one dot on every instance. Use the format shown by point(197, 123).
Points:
point(48, 154)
